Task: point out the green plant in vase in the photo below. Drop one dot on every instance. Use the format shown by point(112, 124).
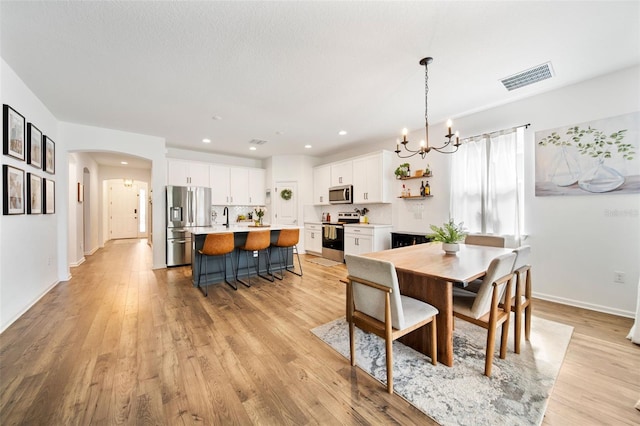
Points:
point(402, 170)
point(449, 234)
point(260, 211)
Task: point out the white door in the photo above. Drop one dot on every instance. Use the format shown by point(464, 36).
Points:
point(286, 211)
point(123, 213)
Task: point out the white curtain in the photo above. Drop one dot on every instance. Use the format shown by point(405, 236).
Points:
point(486, 189)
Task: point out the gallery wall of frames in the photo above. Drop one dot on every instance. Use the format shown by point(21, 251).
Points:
point(30, 189)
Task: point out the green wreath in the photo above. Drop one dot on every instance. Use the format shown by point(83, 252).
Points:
point(286, 194)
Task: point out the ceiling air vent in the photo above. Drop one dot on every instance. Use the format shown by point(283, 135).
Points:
point(530, 76)
point(257, 142)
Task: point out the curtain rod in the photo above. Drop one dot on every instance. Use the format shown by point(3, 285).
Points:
point(526, 126)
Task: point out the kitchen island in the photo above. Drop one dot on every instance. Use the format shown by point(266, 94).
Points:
point(215, 271)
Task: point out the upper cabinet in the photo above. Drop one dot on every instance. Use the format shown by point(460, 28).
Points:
point(321, 184)
point(371, 183)
point(187, 173)
point(256, 187)
point(342, 173)
point(370, 175)
point(239, 186)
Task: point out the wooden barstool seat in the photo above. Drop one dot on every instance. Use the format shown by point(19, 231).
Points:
point(257, 241)
point(288, 239)
point(216, 245)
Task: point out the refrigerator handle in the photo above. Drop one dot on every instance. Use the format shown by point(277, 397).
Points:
point(190, 205)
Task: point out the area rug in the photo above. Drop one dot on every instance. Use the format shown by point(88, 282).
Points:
point(515, 394)
point(324, 262)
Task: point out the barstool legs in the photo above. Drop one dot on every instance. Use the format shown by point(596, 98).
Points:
point(205, 288)
point(283, 261)
point(256, 266)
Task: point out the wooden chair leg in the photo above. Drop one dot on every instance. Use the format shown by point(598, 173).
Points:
point(352, 343)
point(434, 342)
point(504, 338)
point(491, 341)
point(389, 350)
point(527, 321)
point(517, 335)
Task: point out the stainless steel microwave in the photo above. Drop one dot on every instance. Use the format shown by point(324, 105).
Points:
point(341, 194)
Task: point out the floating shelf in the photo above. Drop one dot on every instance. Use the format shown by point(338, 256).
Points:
point(416, 177)
point(415, 197)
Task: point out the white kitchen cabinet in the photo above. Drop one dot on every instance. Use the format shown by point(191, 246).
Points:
point(219, 184)
point(371, 179)
point(342, 173)
point(187, 173)
point(313, 238)
point(236, 186)
point(256, 187)
point(360, 239)
point(321, 184)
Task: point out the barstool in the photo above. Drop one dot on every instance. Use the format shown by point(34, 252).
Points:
point(288, 239)
point(256, 241)
point(217, 245)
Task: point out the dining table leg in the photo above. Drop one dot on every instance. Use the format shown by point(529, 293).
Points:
point(438, 293)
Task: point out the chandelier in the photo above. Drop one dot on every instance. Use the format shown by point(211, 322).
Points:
point(449, 147)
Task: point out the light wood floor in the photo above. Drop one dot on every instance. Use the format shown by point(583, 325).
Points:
point(122, 344)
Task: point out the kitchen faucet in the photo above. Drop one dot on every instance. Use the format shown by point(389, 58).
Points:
point(225, 212)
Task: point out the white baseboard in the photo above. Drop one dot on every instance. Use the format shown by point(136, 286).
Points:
point(37, 299)
point(585, 305)
point(89, 253)
point(78, 263)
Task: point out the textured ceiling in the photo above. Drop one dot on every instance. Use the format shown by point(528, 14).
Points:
point(295, 73)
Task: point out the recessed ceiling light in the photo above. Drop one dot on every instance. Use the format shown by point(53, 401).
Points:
point(307, 146)
point(206, 140)
point(252, 148)
point(124, 162)
point(216, 117)
point(342, 132)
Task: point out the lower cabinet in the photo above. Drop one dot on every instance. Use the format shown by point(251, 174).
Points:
point(361, 239)
point(313, 238)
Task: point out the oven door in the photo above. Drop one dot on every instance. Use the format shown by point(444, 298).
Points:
point(333, 242)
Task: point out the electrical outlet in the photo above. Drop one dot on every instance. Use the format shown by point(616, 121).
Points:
point(618, 277)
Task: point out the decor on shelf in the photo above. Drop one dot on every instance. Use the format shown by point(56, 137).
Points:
point(13, 133)
point(595, 157)
point(449, 147)
point(403, 170)
point(12, 190)
point(449, 234)
point(427, 171)
point(286, 194)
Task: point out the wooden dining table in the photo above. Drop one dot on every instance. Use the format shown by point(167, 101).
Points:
point(426, 273)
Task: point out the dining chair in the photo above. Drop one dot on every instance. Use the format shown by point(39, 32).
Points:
point(375, 305)
point(484, 240)
point(287, 239)
point(522, 297)
point(216, 245)
point(257, 241)
point(484, 308)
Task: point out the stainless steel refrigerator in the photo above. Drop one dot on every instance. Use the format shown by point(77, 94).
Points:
point(187, 207)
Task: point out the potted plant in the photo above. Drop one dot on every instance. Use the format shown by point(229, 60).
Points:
point(403, 170)
point(449, 234)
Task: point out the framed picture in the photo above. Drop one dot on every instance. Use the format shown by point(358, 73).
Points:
point(13, 133)
point(49, 196)
point(12, 190)
point(80, 192)
point(49, 158)
point(34, 192)
point(34, 146)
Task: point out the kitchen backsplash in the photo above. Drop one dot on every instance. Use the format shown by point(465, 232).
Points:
point(234, 212)
point(378, 213)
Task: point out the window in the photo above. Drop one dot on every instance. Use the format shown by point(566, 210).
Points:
point(487, 185)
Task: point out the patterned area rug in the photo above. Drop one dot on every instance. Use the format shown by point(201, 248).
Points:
point(515, 394)
point(322, 261)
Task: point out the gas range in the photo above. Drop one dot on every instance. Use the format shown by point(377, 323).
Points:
point(344, 218)
point(333, 235)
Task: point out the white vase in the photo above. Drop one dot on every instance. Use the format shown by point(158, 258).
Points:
point(450, 248)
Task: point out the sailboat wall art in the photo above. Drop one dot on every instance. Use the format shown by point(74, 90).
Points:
point(596, 157)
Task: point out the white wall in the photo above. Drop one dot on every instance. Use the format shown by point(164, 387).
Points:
point(29, 244)
point(80, 138)
point(77, 163)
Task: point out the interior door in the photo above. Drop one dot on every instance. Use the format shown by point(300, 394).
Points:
point(123, 215)
point(286, 211)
